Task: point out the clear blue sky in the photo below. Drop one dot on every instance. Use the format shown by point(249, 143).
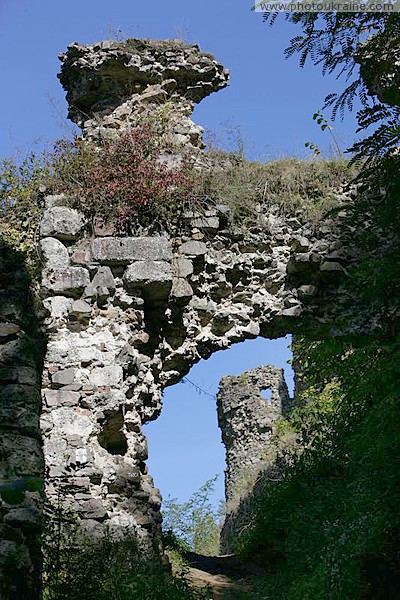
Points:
point(271, 99)
point(185, 446)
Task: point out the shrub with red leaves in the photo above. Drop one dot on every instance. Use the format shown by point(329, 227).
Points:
point(125, 180)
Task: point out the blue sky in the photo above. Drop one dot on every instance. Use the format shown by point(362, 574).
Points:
point(185, 446)
point(269, 98)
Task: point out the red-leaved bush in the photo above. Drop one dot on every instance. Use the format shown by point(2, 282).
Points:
point(125, 180)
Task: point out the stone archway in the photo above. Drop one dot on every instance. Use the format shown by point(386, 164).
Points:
point(128, 316)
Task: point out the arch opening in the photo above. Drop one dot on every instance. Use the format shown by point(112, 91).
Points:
point(185, 445)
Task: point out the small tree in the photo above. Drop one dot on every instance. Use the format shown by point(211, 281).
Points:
point(196, 523)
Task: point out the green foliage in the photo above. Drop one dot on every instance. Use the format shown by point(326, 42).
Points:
point(334, 512)
point(291, 184)
point(124, 180)
point(338, 43)
point(323, 122)
point(20, 182)
point(196, 523)
point(79, 569)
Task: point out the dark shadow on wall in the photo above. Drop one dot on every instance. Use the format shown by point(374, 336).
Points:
point(21, 456)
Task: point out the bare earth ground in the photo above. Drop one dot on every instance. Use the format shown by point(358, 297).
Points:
point(228, 577)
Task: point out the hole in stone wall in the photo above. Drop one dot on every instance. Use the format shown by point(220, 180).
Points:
point(111, 436)
point(266, 395)
point(185, 448)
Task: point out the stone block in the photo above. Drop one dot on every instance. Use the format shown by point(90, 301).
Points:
point(332, 267)
point(55, 253)
point(62, 223)
point(332, 270)
point(68, 422)
point(122, 251)
point(70, 282)
point(181, 289)
point(307, 290)
point(92, 509)
point(106, 376)
point(61, 398)
point(64, 377)
point(152, 277)
point(300, 244)
point(81, 253)
point(8, 331)
point(26, 517)
point(193, 248)
point(207, 223)
point(80, 310)
point(58, 306)
point(182, 267)
point(293, 311)
point(104, 279)
point(302, 264)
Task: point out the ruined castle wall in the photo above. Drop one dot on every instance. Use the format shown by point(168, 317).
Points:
point(128, 316)
point(246, 417)
point(21, 457)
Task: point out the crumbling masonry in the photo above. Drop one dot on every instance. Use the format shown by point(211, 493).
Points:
point(247, 418)
point(126, 317)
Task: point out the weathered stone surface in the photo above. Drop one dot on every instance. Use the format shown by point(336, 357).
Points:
point(58, 306)
point(207, 223)
point(182, 267)
point(93, 509)
point(70, 281)
point(21, 464)
point(293, 311)
point(193, 248)
point(114, 251)
point(153, 277)
point(303, 264)
point(156, 70)
point(300, 244)
point(333, 268)
point(179, 298)
point(55, 253)
point(80, 309)
point(62, 223)
point(8, 331)
point(246, 420)
point(104, 279)
point(64, 377)
point(106, 376)
point(181, 288)
point(55, 200)
point(56, 398)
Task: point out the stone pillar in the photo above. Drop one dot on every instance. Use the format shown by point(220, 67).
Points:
point(112, 85)
point(107, 297)
point(248, 407)
point(21, 459)
point(98, 380)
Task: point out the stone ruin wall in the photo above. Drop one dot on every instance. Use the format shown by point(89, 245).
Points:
point(126, 317)
point(247, 422)
point(21, 456)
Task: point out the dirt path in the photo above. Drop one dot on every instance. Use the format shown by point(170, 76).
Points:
point(226, 576)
